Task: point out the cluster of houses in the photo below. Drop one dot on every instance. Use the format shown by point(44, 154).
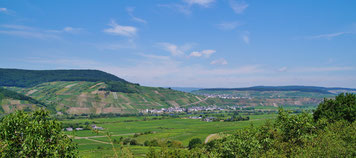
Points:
point(206, 119)
point(225, 96)
point(94, 127)
point(71, 129)
point(178, 109)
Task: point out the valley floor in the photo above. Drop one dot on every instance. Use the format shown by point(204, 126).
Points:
point(98, 144)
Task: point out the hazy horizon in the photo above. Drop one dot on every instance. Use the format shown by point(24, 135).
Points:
point(186, 43)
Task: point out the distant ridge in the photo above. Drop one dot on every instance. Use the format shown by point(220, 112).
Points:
point(29, 78)
point(185, 89)
point(323, 90)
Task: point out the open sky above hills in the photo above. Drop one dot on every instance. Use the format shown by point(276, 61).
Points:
point(191, 43)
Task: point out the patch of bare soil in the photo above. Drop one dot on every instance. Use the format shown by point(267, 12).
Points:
point(111, 110)
point(71, 85)
point(175, 104)
point(78, 110)
point(81, 99)
point(98, 85)
point(31, 92)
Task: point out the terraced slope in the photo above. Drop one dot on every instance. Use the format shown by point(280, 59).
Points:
point(77, 97)
point(9, 105)
point(92, 91)
point(11, 101)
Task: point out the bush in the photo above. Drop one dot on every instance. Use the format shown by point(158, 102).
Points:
point(126, 141)
point(174, 144)
point(194, 143)
point(34, 135)
point(153, 142)
point(343, 107)
point(133, 142)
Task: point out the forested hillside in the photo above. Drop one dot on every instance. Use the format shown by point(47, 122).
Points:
point(28, 78)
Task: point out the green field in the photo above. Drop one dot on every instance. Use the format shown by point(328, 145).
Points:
point(93, 144)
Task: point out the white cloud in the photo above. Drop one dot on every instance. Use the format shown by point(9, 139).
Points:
point(238, 7)
point(121, 30)
point(228, 25)
point(16, 27)
point(28, 34)
point(71, 29)
point(67, 29)
point(328, 36)
point(157, 57)
point(7, 11)
point(178, 7)
point(117, 45)
point(246, 38)
point(173, 49)
point(205, 53)
point(195, 54)
point(171, 73)
point(204, 3)
point(3, 10)
point(185, 8)
point(221, 61)
point(130, 11)
point(283, 69)
point(323, 69)
point(63, 62)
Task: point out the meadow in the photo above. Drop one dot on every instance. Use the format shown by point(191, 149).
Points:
point(183, 129)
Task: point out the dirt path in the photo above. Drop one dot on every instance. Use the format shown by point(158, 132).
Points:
point(102, 136)
point(209, 137)
point(115, 95)
point(197, 101)
point(98, 141)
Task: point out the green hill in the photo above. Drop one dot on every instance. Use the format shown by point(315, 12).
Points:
point(93, 91)
point(261, 96)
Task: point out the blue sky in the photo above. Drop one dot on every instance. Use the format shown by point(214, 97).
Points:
point(187, 43)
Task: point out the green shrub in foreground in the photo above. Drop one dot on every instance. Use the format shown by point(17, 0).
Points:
point(34, 135)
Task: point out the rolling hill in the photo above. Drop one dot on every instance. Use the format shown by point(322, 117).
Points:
point(92, 91)
point(323, 90)
point(275, 95)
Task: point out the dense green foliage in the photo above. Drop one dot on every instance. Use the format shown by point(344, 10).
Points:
point(14, 95)
point(29, 78)
point(343, 107)
point(195, 142)
point(291, 135)
point(323, 90)
point(34, 135)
